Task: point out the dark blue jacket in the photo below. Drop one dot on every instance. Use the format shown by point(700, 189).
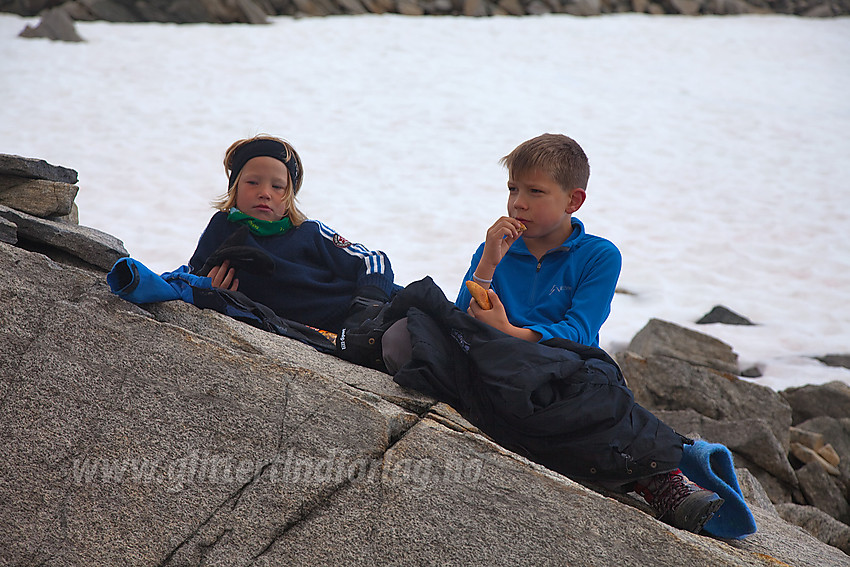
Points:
point(315, 276)
point(562, 404)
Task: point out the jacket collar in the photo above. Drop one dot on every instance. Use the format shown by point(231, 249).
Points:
point(572, 241)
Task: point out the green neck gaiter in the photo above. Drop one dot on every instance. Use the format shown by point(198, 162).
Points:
point(257, 226)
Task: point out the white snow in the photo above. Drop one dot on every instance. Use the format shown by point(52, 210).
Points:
point(719, 147)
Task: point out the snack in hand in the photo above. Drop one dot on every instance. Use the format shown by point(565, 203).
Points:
point(479, 294)
point(522, 227)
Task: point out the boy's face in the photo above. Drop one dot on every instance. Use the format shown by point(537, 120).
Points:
point(540, 203)
point(263, 189)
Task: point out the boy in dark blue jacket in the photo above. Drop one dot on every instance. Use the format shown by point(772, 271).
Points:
point(261, 245)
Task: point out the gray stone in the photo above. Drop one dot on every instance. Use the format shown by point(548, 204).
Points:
point(830, 400)
point(237, 335)
point(724, 315)
point(316, 7)
point(836, 432)
point(170, 435)
point(35, 169)
point(685, 7)
point(37, 197)
point(353, 6)
point(409, 8)
point(379, 6)
point(71, 218)
point(474, 8)
point(750, 438)
point(776, 490)
point(512, 7)
point(585, 8)
point(55, 24)
point(110, 10)
point(753, 492)
point(822, 492)
point(8, 231)
point(80, 13)
point(537, 8)
point(664, 383)
point(810, 439)
point(818, 523)
point(729, 7)
point(175, 430)
point(806, 455)
point(662, 338)
point(92, 246)
point(842, 360)
point(778, 543)
point(252, 13)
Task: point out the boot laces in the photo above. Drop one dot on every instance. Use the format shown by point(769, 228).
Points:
point(666, 491)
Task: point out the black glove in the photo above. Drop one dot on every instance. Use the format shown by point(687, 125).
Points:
point(241, 256)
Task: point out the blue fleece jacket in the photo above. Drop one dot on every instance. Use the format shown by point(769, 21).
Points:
point(316, 271)
point(567, 294)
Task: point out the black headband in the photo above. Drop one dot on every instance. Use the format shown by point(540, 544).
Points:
point(269, 148)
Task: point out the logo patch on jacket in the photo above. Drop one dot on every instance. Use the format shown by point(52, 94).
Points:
point(341, 242)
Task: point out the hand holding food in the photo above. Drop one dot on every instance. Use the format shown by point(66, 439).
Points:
point(479, 294)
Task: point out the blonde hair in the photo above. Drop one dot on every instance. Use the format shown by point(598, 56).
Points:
point(555, 154)
point(228, 200)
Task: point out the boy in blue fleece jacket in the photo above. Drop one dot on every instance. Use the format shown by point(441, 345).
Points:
point(546, 276)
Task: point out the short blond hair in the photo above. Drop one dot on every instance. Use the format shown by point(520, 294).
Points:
point(228, 200)
point(557, 155)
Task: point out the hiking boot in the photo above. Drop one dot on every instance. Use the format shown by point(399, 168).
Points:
point(678, 501)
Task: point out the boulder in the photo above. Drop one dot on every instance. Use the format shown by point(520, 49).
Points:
point(831, 399)
point(662, 338)
point(164, 434)
point(66, 242)
point(353, 7)
point(18, 166)
point(512, 7)
point(55, 24)
point(822, 492)
point(836, 432)
point(807, 455)
point(753, 492)
point(751, 438)
point(584, 8)
point(818, 523)
point(810, 439)
point(685, 7)
point(475, 8)
point(8, 231)
point(667, 383)
point(724, 315)
point(110, 10)
point(37, 197)
point(842, 360)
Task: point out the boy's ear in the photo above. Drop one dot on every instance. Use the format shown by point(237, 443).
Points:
point(577, 197)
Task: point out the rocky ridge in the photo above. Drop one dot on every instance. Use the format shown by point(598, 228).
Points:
point(58, 16)
point(167, 435)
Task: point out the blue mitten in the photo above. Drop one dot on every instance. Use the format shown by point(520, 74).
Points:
point(710, 465)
